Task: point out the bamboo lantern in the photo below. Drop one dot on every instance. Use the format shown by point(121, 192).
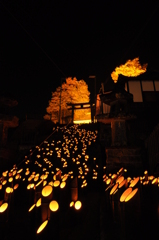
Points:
point(131, 195)
point(135, 182)
point(47, 194)
point(125, 194)
point(74, 190)
point(42, 226)
point(4, 212)
point(78, 205)
point(146, 175)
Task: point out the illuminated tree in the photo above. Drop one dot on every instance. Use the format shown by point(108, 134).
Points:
point(131, 68)
point(72, 91)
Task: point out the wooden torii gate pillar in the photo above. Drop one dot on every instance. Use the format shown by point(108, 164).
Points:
point(79, 106)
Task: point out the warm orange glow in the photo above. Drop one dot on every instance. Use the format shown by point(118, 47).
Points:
point(10, 179)
point(82, 121)
point(78, 205)
point(51, 183)
point(131, 195)
point(44, 183)
point(4, 174)
point(39, 183)
point(154, 181)
point(120, 179)
point(3, 207)
point(14, 172)
point(114, 176)
point(38, 203)
point(125, 194)
point(17, 176)
point(31, 208)
point(62, 185)
point(4, 182)
point(30, 186)
point(16, 186)
point(108, 181)
point(9, 190)
point(27, 172)
point(20, 170)
point(56, 183)
point(122, 183)
point(131, 68)
point(54, 206)
point(42, 226)
point(114, 189)
point(134, 182)
point(72, 91)
point(47, 190)
point(71, 204)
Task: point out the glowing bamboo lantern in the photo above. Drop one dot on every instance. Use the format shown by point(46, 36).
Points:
point(78, 205)
point(146, 175)
point(113, 178)
point(114, 189)
point(125, 194)
point(7, 195)
point(38, 203)
point(154, 181)
point(47, 193)
point(31, 208)
point(123, 183)
point(121, 171)
point(3, 207)
point(120, 179)
point(134, 182)
point(4, 212)
point(54, 206)
point(131, 195)
point(42, 226)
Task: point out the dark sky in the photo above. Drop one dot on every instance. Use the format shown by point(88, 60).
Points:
point(44, 41)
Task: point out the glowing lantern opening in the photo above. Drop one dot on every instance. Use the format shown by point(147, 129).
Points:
point(71, 204)
point(120, 179)
point(114, 189)
point(125, 194)
point(56, 183)
point(131, 195)
point(16, 186)
point(17, 176)
point(31, 208)
point(42, 226)
point(134, 182)
point(38, 203)
point(154, 181)
point(62, 185)
point(122, 183)
point(8, 190)
point(4, 182)
point(3, 207)
point(54, 206)
point(78, 205)
point(47, 190)
point(108, 181)
point(20, 170)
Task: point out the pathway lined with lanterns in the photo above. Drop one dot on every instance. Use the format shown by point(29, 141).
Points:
point(62, 190)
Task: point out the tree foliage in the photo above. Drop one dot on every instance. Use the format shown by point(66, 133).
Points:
point(72, 91)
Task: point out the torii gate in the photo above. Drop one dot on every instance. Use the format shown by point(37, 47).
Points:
point(78, 106)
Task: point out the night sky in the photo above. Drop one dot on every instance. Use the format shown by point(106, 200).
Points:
point(44, 41)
